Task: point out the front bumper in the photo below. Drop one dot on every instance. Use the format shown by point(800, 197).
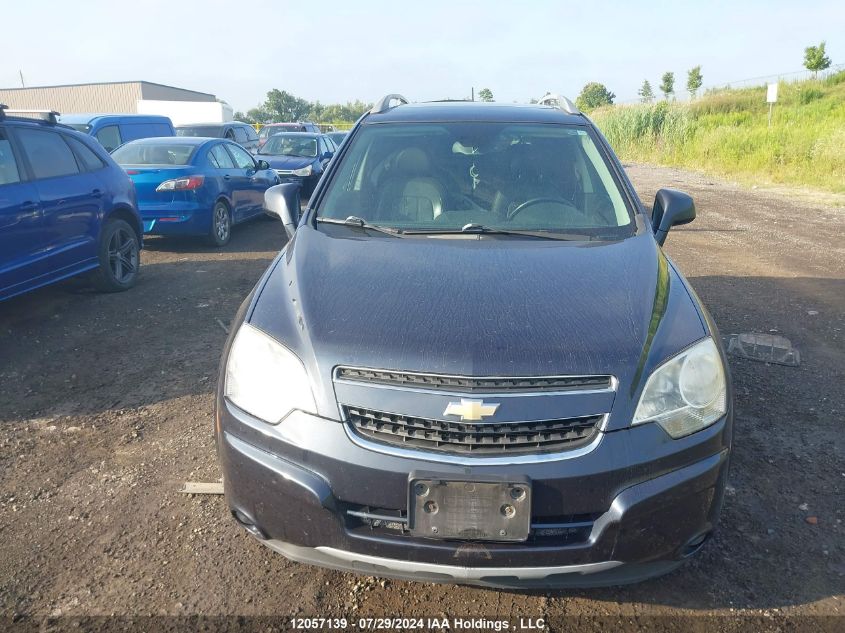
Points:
point(633, 507)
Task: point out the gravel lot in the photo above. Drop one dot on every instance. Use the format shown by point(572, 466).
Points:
point(105, 410)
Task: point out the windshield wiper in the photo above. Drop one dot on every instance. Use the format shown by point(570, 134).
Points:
point(354, 220)
point(481, 229)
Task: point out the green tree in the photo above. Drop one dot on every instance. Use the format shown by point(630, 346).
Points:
point(815, 59)
point(646, 93)
point(485, 94)
point(667, 84)
point(284, 106)
point(240, 116)
point(694, 81)
point(259, 115)
point(594, 95)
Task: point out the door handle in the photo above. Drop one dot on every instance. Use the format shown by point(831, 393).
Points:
point(227, 177)
point(29, 205)
point(97, 193)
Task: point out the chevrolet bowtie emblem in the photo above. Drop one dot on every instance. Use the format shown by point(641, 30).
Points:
point(471, 409)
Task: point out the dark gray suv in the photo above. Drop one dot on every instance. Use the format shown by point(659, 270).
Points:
point(474, 363)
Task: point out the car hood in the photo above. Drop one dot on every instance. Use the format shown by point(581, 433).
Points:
point(285, 162)
point(477, 307)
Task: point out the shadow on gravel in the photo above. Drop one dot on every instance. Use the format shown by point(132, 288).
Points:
point(67, 350)
point(241, 241)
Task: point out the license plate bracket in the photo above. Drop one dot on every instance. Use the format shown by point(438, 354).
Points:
point(478, 509)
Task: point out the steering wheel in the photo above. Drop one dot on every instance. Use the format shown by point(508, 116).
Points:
point(530, 203)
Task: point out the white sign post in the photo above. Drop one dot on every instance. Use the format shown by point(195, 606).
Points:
point(771, 99)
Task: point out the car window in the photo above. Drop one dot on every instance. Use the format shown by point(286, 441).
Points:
point(109, 137)
point(242, 158)
point(160, 129)
point(518, 176)
point(154, 152)
point(220, 158)
point(240, 135)
point(134, 131)
point(85, 155)
point(9, 172)
point(48, 154)
point(291, 145)
point(251, 134)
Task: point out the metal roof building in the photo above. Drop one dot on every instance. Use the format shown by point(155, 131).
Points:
point(115, 97)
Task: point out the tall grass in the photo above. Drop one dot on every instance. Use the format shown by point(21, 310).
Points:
point(727, 132)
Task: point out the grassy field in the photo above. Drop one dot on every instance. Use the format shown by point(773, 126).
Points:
point(727, 133)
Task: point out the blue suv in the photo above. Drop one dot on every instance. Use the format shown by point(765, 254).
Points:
point(65, 208)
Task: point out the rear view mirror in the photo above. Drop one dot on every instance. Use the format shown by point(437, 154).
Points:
point(671, 208)
point(283, 202)
point(327, 155)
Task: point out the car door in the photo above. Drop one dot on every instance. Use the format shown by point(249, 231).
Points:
point(71, 198)
point(254, 182)
point(227, 174)
point(251, 143)
point(20, 222)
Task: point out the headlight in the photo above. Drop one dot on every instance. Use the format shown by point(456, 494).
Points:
point(305, 171)
point(686, 393)
point(266, 379)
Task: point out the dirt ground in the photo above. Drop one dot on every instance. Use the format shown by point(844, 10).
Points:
point(106, 404)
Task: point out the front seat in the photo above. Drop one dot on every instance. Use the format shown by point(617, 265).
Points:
point(410, 193)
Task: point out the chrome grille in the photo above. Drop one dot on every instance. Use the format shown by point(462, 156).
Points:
point(507, 438)
point(464, 384)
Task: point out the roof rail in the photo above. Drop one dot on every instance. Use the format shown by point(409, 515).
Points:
point(557, 101)
point(45, 115)
point(383, 104)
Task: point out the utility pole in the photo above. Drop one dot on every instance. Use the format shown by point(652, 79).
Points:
point(472, 90)
point(23, 85)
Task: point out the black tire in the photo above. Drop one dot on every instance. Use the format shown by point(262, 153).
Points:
point(120, 257)
point(221, 224)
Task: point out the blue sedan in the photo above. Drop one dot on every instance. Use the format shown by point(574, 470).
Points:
point(195, 186)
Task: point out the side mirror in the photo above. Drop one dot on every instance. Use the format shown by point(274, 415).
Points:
point(263, 164)
point(671, 207)
point(283, 202)
point(327, 155)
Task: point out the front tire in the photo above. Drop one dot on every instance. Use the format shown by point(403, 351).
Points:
point(120, 257)
point(221, 224)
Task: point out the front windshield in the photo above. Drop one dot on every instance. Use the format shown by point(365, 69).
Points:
point(213, 131)
point(153, 154)
point(291, 145)
point(270, 130)
point(506, 176)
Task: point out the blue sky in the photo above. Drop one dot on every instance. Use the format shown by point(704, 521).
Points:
point(335, 51)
